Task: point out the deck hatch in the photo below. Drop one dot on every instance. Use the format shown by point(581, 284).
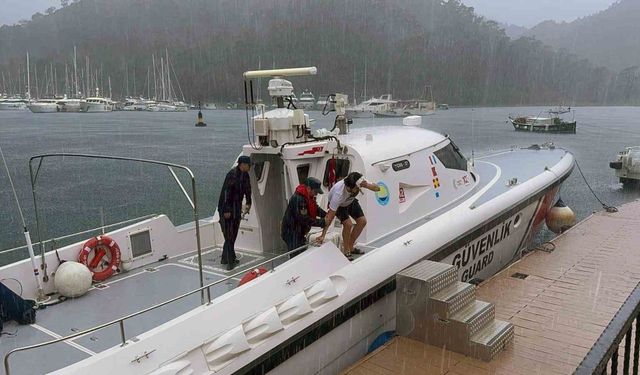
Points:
point(140, 243)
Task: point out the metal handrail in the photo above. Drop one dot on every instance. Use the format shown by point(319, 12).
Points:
point(145, 217)
point(192, 200)
point(606, 347)
point(121, 321)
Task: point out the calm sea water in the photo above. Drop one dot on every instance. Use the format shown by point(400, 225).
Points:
point(78, 194)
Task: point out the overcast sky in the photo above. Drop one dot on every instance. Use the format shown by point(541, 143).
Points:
point(518, 12)
point(531, 12)
point(12, 11)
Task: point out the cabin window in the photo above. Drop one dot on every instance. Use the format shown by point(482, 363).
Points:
point(340, 168)
point(303, 172)
point(451, 157)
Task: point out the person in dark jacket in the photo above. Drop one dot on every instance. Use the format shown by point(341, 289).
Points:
point(302, 213)
point(236, 187)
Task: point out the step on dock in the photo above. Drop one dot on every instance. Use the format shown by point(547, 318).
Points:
point(437, 309)
point(559, 302)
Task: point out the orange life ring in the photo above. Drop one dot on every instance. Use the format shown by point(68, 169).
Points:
point(100, 246)
point(252, 275)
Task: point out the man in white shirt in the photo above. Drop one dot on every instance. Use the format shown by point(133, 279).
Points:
point(344, 205)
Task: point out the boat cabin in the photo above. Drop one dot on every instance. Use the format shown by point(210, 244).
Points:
point(419, 173)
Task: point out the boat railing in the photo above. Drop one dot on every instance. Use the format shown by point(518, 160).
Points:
point(191, 198)
point(206, 289)
point(54, 241)
point(605, 352)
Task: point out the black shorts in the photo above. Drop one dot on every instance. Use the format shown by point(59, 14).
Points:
point(354, 210)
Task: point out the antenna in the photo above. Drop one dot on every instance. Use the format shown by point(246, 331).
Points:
point(473, 137)
point(27, 236)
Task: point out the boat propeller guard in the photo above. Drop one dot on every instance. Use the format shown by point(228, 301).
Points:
point(100, 247)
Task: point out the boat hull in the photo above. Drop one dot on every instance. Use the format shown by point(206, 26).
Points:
point(13, 106)
point(95, 107)
point(43, 108)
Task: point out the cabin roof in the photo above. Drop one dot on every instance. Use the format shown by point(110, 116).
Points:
point(388, 142)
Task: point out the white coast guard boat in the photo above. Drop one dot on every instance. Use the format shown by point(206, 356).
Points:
point(315, 313)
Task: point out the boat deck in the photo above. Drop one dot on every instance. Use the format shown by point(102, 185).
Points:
point(559, 301)
point(123, 294)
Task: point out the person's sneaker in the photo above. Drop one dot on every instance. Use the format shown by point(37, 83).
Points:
point(349, 256)
point(357, 251)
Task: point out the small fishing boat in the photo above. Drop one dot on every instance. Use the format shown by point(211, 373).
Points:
point(553, 123)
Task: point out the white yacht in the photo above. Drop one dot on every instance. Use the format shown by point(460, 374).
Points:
point(369, 107)
point(96, 104)
point(209, 106)
point(306, 100)
point(162, 107)
point(323, 102)
point(314, 313)
point(44, 106)
point(137, 104)
point(13, 104)
point(70, 104)
point(180, 106)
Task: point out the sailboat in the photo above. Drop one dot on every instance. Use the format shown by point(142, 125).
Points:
point(16, 102)
point(167, 101)
point(151, 312)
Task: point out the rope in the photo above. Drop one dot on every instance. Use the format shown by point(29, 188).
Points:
point(610, 209)
point(547, 247)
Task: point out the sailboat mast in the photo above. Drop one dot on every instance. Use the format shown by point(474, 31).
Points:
point(164, 91)
point(75, 73)
point(169, 93)
point(87, 74)
point(28, 79)
point(365, 80)
point(155, 82)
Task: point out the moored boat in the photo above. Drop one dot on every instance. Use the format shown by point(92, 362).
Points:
point(44, 106)
point(433, 203)
point(70, 104)
point(96, 104)
point(627, 166)
point(367, 108)
point(13, 104)
point(306, 100)
point(551, 124)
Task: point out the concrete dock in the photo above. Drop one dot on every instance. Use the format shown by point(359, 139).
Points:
point(559, 300)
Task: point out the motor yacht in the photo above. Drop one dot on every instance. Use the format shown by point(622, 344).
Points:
point(367, 108)
point(13, 104)
point(44, 106)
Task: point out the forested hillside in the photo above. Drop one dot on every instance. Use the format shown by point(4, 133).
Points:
point(402, 45)
point(610, 38)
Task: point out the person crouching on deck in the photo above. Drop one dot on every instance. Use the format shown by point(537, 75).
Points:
point(344, 205)
point(302, 213)
point(236, 186)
